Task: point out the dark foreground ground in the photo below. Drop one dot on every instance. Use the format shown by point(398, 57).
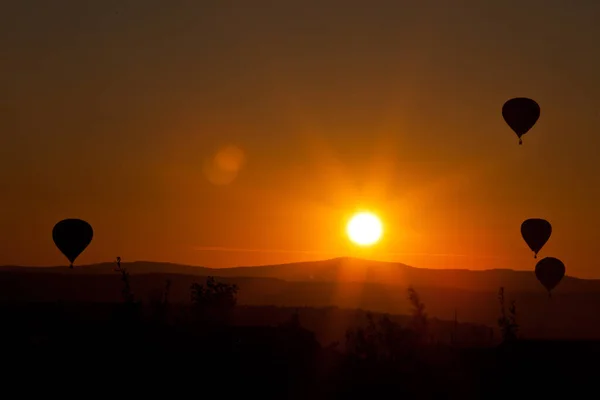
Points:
point(114, 349)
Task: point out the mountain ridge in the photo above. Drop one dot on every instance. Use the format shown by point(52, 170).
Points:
point(345, 283)
point(52, 268)
point(342, 269)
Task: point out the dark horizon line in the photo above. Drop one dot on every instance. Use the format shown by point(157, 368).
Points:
point(277, 265)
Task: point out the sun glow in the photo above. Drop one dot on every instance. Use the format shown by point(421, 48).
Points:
point(364, 229)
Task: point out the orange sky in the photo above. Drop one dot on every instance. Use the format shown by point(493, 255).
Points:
point(112, 113)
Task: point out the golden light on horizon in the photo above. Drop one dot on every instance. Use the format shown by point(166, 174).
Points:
point(364, 229)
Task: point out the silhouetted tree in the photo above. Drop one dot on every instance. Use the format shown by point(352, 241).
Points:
point(392, 337)
point(419, 316)
point(380, 339)
point(386, 339)
point(214, 301)
point(126, 292)
point(130, 310)
point(361, 342)
point(507, 322)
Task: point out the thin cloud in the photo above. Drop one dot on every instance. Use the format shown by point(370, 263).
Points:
point(245, 250)
point(315, 252)
point(445, 255)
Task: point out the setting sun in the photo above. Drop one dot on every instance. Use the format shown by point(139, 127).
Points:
point(364, 229)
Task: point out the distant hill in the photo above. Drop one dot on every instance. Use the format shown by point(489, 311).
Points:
point(342, 282)
point(348, 270)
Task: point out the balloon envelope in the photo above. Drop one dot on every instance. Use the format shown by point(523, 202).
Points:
point(536, 232)
point(72, 236)
point(521, 114)
point(549, 271)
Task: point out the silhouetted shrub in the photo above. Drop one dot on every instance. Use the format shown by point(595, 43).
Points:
point(419, 321)
point(130, 310)
point(384, 339)
point(507, 322)
point(381, 339)
point(126, 292)
point(214, 301)
point(383, 356)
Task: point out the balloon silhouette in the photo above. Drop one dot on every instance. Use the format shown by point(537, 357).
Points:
point(550, 271)
point(536, 232)
point(72, 236)
point(521, 114)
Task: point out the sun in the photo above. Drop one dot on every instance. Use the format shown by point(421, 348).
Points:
point(364, 229)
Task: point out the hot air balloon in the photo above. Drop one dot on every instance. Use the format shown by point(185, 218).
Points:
point(521, 114)
point(550, 271)
point(536, 232)
point(72, 236)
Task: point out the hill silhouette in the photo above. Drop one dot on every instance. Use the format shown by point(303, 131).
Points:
point(470, 296)
point(288, 351)
point(346, 269)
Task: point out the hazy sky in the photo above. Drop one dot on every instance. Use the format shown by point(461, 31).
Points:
point(225, 133)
